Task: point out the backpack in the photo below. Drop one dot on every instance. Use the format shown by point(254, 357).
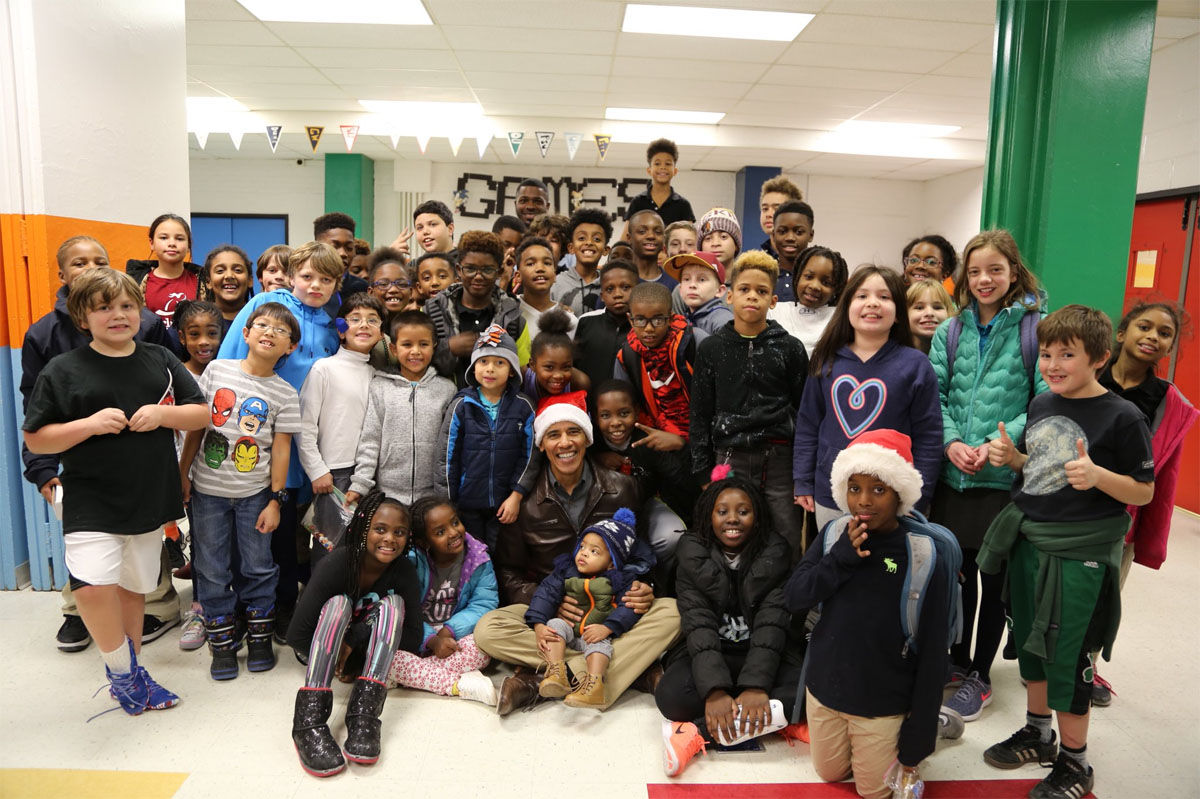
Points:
point(1029, 344)
point(931, 547)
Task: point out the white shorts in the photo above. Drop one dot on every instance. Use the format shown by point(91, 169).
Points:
point(130, 561)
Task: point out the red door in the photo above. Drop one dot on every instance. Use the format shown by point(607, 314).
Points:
point(1161, 229)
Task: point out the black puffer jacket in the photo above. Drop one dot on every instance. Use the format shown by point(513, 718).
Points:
point(707, 589)
point(745, 392)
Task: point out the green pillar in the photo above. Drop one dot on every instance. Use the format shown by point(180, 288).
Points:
point(350, 188)
point(1068, 99)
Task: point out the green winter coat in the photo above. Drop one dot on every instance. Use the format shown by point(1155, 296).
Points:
point(985, 389)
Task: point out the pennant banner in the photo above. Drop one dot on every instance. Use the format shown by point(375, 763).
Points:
point(349, 134)
point(314, 135)
point(515, 139)
point(483, 141)
point(455, 143)
point(602, 142)
point(273, 132)
point(422, 141)
point(544, 138)
point(395, 140)
point(236, 135)
point(573, 140)
point(201, 137)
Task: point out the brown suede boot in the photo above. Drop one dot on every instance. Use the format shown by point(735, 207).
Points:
point(589, 692)
point(519, 690)
point(554, 682)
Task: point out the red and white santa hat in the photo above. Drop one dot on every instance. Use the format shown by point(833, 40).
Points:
point(568, 407)
point(885, 454)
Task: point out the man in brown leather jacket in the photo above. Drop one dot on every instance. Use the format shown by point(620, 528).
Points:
point(571, 493)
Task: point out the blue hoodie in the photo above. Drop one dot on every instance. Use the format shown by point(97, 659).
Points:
point(711, 316)
point(894, 389)
point(477, 590)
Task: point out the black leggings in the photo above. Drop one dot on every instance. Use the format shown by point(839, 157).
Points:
point(678, 699)
point(991, 618)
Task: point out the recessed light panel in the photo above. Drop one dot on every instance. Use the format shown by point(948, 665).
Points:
point(714, 23)
point(664, 115)
point(367, 12)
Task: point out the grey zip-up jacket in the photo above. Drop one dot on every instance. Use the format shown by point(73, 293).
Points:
point(398, 449)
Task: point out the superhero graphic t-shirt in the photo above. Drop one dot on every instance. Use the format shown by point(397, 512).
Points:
point(245, 413)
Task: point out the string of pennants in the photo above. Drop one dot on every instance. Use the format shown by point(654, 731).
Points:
point(515, 138)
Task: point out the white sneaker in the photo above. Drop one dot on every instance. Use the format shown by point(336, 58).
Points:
point(778, 722)
point(192, 635)
point(474, 685)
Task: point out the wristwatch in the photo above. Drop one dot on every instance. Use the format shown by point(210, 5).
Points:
point(281, 496)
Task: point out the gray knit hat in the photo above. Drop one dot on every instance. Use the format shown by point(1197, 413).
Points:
point(495, 341)
point(720, 219)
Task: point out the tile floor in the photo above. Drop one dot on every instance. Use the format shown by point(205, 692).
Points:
point(232, 739)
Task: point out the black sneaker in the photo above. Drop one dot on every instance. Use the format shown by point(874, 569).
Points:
point(153, 629)
point(1023, 746)
point(282, 620)
point(1067, 780)
point(72, 635)
point(175, 557)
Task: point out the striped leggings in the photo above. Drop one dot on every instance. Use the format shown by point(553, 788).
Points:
point(378, 628)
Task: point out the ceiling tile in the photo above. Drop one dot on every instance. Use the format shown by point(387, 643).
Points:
point(1177, 27)
point(525, 14)
point(838, 77)
point(528, 40)
point(219, 74)
point(318, 105)
point(798, 121)
point(392, 91)
point(518, 80)
point(211, 55)
point(524, 94)
point(928, 116)
point(912, 101)
point(401, 37)
point(313, 91)
point(196, 89)
point(846, 98)
point(229, 33)
point(874, 31)
point(533, 65)
point(673, 101)
point(660, 69)
point(429, 78)
point(682, 86)
point(501, 108)
point(934, 168)
point(952, 86)
point(982, 12)
point(378, 58)
point(967, 65)
point(824, 54)
point(646, 45)
point(215, 9)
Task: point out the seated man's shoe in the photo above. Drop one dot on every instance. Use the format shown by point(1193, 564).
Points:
point(518, 691)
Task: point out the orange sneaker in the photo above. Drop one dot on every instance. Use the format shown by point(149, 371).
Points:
point(681, 742)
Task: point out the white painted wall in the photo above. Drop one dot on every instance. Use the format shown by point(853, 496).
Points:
point(111, 119)
point(1171, 132)
point(952, 205)
point(262, 186)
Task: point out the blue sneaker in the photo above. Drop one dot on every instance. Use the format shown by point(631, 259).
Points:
point(157, 697)
point(129, 690)
point(971, 698)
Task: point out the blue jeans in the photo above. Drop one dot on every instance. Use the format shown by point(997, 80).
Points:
point(221, 525)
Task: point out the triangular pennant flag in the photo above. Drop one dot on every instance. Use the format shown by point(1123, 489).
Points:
point(349, 134)
point(314, 134)
point(422, 141)
point(602, 142)
point(455, 143)
point(544, 138)
point(395, 139)
point(201, 137)
point(236, 135)
point(273, 132)
point(483, 141)
point(515, 139)
point(573, 140)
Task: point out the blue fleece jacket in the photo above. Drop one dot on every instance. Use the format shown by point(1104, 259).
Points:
point(895, 388)
point(477, 590)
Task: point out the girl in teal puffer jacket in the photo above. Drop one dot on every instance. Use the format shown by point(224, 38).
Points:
point(984, 378)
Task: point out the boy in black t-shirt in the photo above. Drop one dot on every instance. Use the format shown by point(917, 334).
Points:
point(109, 408)
point(1089, 456)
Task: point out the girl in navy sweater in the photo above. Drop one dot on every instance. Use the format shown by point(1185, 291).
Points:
point(865, 375)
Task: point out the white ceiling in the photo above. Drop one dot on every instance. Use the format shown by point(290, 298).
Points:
point(556, 64)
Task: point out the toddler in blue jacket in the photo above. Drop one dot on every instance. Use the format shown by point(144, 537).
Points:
point(487, 438)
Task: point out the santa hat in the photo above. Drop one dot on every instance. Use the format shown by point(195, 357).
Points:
point(674, 265)
point(496, 342)
point(619, 534)
point(720, 219)
point(569, 407)
point(885, 454)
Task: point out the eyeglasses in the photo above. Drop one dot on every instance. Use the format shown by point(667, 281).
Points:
point(263, 327)
point(370, 321)
point(931, 262)
point(472, 271)
point(653, 321)
point(398, 283)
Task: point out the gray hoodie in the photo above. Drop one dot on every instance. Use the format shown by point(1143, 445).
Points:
point(398, 449)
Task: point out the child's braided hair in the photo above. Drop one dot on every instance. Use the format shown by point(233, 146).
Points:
point(420, 509)
point(702, 516)
point(355, 538)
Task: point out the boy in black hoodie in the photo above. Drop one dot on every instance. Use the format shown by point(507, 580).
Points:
point(747, 385)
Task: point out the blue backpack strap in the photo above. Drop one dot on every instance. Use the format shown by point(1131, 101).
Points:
point(922, 560)
point(953, 331)
point(1029, 344)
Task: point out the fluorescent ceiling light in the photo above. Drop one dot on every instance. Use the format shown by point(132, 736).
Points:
point(370, 12)
point(714, 23)
point(894, 130)
point(664, 115)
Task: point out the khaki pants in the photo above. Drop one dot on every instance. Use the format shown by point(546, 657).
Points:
point(162, 603)
point(504, 635)
point(843, 745)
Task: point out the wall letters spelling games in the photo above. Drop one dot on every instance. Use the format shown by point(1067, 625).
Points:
point(485, 196)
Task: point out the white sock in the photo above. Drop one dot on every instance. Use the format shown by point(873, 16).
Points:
point(119, 660)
